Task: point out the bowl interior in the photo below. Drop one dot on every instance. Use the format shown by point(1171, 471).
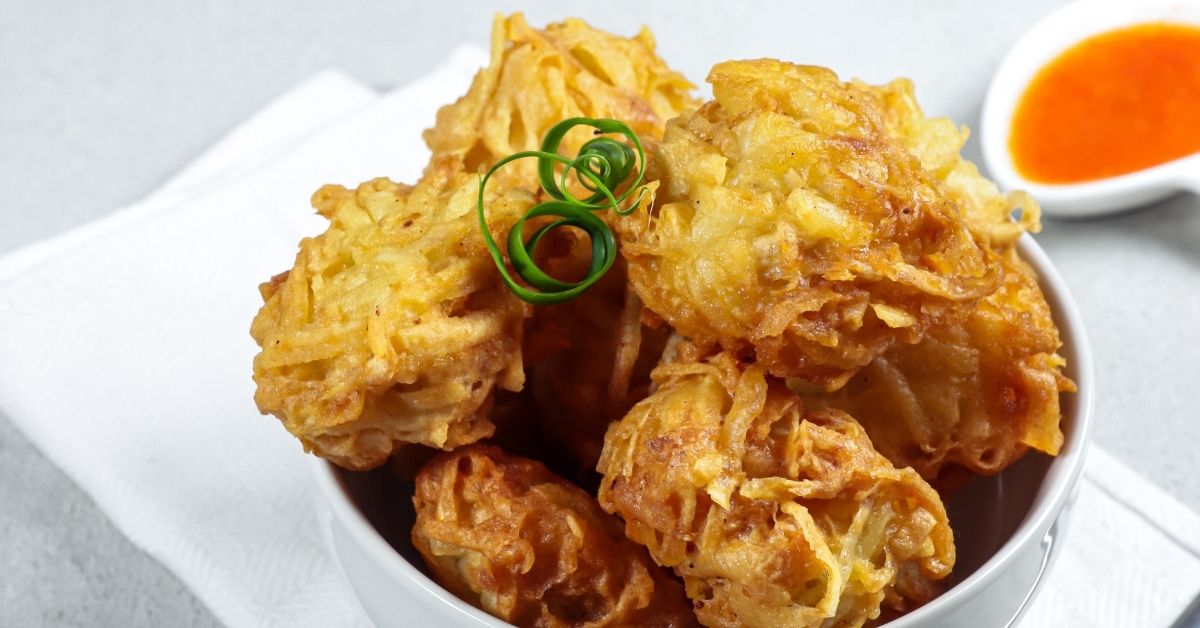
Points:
point(984, 515)
point(385, 499)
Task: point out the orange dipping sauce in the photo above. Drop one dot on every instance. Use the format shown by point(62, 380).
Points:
point(1113, 104)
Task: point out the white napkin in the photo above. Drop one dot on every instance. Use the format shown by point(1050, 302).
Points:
point(125, 352)
point(1131, 557)
point(125, 357)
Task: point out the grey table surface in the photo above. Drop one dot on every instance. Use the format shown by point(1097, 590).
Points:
point(99, 102)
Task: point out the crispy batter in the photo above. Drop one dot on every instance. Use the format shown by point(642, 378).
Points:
point(974, 394)
point(792, 227)
point(773, 516)
point(538, 78)
point(532, 549)
point(938, 143)
point(392, 326)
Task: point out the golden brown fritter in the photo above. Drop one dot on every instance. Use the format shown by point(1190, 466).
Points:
point(530, 548)
point(973, 395)
point(392, 326)
point(538, 78)
point(792, 227)
point(772, 515)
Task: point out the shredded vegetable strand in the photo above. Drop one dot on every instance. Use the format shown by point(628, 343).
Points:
point(602, 165)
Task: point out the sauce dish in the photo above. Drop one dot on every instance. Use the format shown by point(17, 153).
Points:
point(1041, 45)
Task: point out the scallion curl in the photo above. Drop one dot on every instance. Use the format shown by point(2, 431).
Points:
point(602, 165)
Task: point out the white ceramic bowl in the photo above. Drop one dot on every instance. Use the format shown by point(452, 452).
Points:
point(1007, 527)
point(1040, 45)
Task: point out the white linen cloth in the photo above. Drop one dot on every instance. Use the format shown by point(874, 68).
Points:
point(125, 358)
point(1131, 558)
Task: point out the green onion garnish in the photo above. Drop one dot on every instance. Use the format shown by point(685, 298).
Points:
point(602, 165)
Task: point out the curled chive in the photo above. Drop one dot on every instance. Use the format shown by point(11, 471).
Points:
point(602, 165)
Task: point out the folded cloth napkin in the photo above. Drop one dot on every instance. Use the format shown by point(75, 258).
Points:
point(125, 351)
point(1131, 558)
point(125, 357)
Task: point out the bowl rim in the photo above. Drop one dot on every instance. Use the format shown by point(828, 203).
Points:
point(355, 523)
point(1052, 496)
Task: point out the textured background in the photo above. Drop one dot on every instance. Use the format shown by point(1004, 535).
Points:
point(99, 102)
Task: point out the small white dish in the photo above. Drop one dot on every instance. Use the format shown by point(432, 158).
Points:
point(1008, 528)
point(1040, 45)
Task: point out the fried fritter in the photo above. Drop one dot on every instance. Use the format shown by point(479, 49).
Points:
point(392, 326)
point(534, 550)
point(970, 396)
point(792, 228)
point(773, 516)
point(538, 78)
point(973, 395)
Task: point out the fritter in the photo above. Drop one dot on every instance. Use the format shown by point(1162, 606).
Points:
point(530, 548)
point(971, 396)
point(773, 515)
point(792, 228)
point(392, 326)
point(538, 78)
point(975, 394)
